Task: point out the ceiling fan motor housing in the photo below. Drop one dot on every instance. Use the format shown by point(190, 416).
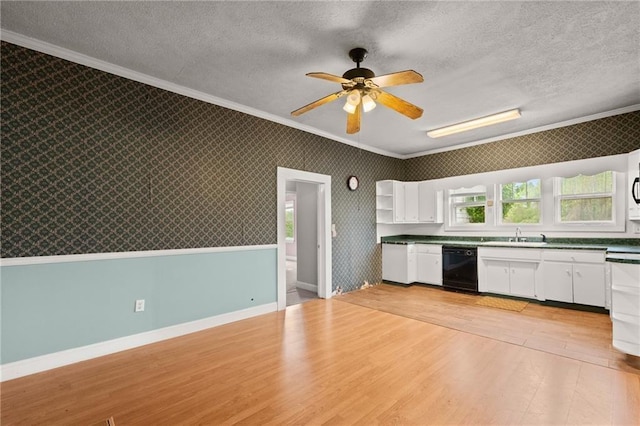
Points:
point(353, 73)
point(357, 55)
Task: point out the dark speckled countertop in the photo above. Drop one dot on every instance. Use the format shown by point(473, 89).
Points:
point(611, 245)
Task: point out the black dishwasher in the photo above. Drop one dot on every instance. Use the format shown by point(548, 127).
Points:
point(460, 268)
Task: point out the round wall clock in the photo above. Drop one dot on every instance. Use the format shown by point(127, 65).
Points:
point(352, 183)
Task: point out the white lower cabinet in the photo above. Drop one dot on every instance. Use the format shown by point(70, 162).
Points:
point(589, 284)
point(558, 282)
point(574, 276)
point(429, 264)
point(399, 263)
point(497, 276)
point(625, 307)
point(512, 278)
point(522, 278)
point(508, 271)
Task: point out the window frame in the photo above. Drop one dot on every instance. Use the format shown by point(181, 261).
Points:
point(467, 192)
point(558, 198)
point(501, 201)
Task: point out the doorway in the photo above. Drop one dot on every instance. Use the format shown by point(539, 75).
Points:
point(308, 196)
point(301, 226)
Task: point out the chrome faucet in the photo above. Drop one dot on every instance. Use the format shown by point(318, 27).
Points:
point(518, 234)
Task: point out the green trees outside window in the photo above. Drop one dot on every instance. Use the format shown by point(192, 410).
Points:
point(289, 221)
point(521, 201)
point(586, 198)
point(468, 205)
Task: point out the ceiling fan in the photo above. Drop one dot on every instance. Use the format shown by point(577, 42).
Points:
point(363, 89)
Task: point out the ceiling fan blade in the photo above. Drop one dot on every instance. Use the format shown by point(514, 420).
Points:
point(397, 78)
point(330, 77)
point(315, 104)
point(400, 105)
point(353, 120)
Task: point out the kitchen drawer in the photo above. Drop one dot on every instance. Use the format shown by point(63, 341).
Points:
point(510, 254)
point(625, 300)
point(581, 256)
point(429, 248)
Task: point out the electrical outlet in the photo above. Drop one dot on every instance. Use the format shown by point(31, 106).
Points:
point(139, 305)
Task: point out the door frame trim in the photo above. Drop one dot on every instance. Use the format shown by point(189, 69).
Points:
point(325, 286)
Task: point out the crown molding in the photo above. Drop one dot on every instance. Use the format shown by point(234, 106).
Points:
point(618, 111)
point(70, 55)
point(78, 58)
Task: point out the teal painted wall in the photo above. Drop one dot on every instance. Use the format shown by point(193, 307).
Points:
point(52, 307)
point(94, 163)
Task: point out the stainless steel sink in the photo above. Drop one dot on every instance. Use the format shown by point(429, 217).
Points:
point(515, 243)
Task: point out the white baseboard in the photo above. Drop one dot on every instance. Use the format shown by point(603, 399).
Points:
point(307, 286)
point(14, 370)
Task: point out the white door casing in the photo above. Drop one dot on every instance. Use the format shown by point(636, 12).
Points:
point(324, 231)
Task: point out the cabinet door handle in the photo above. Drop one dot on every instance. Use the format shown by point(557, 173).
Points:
point(506, 271)
point(578, 273)
point(568, 272)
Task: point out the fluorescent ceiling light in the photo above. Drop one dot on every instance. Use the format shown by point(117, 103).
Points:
point(474, 124)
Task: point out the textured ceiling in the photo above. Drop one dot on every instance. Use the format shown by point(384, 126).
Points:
point(556, 61)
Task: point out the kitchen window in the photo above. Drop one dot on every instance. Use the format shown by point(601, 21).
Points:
point(585, 199)
point(290, 221)
point(520, 202)
point(467, 206)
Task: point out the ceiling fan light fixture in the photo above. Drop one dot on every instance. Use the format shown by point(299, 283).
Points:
point(367, 103)
point(354, 97)
point(361, 87)
point(474, 124)
point(349, 107)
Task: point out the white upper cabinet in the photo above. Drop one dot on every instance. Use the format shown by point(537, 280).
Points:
point(398, 202)
point(384, 201)
point(411, 201)
point(430, 204)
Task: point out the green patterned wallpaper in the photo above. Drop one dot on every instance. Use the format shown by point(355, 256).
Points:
point(91, 162)
point(608, 136)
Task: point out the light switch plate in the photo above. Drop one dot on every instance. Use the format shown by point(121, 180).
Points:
point(139, 305)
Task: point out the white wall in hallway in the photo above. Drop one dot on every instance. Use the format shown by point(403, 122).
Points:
point(306, 232)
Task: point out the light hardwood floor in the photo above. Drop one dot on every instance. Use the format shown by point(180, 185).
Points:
point(584, 336)
point(330, 362)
